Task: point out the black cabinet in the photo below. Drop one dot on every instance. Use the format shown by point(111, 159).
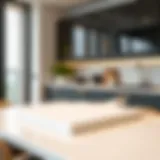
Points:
point(139, 42)
point(64, 40)
point(78, 42)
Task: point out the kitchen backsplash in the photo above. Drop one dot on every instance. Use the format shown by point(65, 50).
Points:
point(155, 75)
point(129, 75)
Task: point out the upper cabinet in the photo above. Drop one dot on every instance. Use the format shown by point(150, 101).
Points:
point(81, 42)
point(76, 41)
point(64, 39)
point(115, 30)
point(140, 42)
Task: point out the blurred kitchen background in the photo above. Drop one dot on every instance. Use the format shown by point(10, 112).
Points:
point(92, 50)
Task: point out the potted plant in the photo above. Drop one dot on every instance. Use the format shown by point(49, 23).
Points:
point(62, 72)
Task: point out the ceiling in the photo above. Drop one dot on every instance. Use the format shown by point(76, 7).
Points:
point(142, 13)
point(60, 3)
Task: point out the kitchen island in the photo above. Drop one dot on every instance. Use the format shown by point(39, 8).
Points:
point(138, 140)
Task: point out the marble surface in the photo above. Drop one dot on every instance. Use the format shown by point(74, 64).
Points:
point(136, 141)
point(65, 120)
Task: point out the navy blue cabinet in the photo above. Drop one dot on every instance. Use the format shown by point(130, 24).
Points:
point(150, 101)
point(99, 95)
point(76, 95)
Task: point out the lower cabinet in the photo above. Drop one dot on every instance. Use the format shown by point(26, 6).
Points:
point(99, 95)
point(142, 100)
point(74, 95)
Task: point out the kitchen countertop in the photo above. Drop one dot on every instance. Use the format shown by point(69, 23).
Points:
point(136, 141)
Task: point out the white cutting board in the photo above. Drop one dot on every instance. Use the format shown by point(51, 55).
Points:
point(66, 119)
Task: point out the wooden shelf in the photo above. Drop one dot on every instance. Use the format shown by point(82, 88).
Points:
point(118, 62)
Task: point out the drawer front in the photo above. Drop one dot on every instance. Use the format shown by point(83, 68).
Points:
point(151, 101)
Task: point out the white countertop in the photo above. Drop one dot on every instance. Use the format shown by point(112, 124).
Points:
point(138, 141)
point(66, 120)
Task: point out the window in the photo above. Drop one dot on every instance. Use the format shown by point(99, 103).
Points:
point(14, 53)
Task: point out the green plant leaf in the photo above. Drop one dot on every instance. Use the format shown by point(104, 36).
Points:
point(62, 70)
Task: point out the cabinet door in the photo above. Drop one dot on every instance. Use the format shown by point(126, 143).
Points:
point(99, 95)
point(64, 94)
point(64, 46)
point(79, 42)
point(150, 101)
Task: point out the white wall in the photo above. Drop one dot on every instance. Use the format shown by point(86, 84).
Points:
point(44, 21)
